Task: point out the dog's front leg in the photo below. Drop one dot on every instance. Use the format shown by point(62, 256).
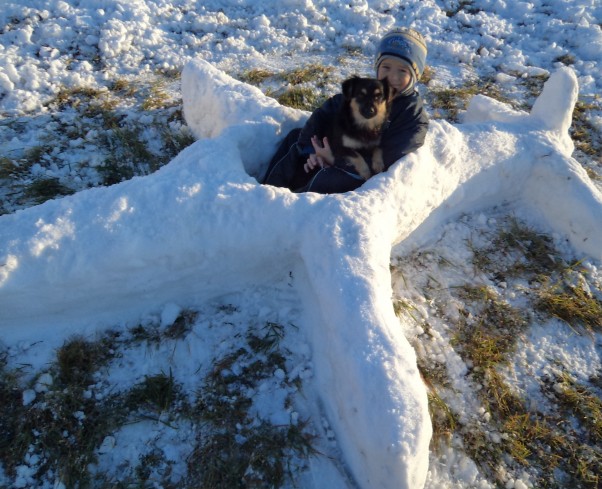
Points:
point(359, 164)
point(378, 165)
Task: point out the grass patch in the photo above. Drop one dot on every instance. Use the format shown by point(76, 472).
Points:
point(128, 156)
point(236, 450)
point(157, 97)
point(401, 307)
point(250, 459)
point(532, 85)
point(314, 73)
point(300, 98)
point(17, 168)
point(174, 141)
point(123, 87)
point(572, 304)
point(66, 428)
point(463, 6)
point(565, 59)
point(11, 406)
point(8, 168)
point(444, 420)
point(269, 340)
point(59, 430)
point(488, 334)
point(182, 325)
point(529, 434)
point(43, 189)
point(129, 143)
point(593, 174)
point(529, 438)
point(449, 102)
point(156, 393)
point(479, 447)
point(145, 333)
point(499, 397)
point(35, 154)
point(75, 97)
point(79, 358)
point(512, 435)
point(114, 171)
point(518, 250)
point(427, 75)
point(583, 403)
point(585, 136)
point(98, 120)
point(301, 88)
point(256, 76)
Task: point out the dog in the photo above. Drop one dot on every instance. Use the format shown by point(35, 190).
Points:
point(359, 124)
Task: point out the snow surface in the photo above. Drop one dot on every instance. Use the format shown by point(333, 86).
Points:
point(201, 228)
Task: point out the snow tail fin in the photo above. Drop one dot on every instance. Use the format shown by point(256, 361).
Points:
point(553, 109)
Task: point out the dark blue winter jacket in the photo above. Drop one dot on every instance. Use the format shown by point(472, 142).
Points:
point(404, 132)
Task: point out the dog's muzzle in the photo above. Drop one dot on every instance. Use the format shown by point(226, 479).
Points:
point(369, 112)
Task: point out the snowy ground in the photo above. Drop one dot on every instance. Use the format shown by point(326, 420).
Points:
point(195, 276)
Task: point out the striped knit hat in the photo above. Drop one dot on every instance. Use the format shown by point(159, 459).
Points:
point(408, 45)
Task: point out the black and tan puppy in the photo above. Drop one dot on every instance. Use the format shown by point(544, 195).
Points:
point(359, 125)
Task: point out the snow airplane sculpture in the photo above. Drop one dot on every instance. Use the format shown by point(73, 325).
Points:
point(202, 226)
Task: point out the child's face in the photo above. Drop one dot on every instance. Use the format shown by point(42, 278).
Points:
point(396, 72)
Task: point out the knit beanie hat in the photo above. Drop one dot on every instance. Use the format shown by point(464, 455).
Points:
point(405, 44)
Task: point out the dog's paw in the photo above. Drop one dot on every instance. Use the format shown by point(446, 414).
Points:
point(360, 166)
point(378, 165)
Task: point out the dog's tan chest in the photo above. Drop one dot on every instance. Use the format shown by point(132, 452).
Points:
point(353, 143)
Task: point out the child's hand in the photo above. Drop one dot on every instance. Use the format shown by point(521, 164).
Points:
point(322, 157)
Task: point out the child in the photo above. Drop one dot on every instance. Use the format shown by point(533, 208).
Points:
point(304, 161)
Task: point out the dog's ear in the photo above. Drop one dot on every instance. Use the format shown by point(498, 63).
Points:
point(389, 91)
point(348, 86)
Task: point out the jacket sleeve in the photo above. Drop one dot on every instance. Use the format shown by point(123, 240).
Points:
point(319, 123)
point(407, 129)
